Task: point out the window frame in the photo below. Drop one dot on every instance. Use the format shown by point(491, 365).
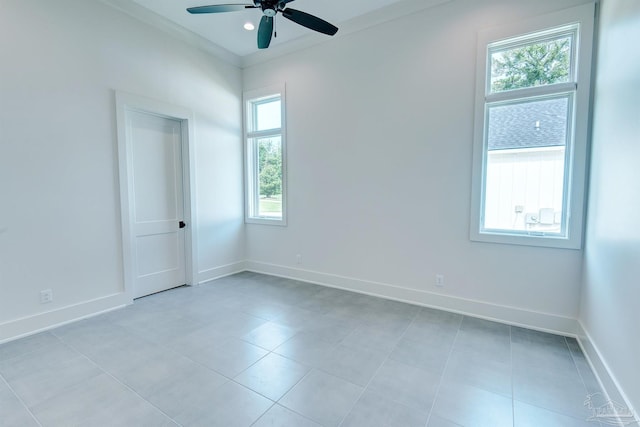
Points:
point(252, 193)
point(577, 145)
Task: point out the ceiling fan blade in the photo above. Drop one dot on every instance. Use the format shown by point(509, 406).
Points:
point(310, 21)
point(265, 31)
point(220, 8)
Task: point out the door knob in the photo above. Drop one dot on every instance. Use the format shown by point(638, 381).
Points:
point(182, 224)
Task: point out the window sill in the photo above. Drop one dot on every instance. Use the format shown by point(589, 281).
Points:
point(266, 221)
point(544, 241)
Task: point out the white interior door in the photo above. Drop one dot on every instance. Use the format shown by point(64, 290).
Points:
point(155, 151)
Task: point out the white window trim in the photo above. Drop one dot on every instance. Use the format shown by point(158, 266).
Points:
point(576, 172)
point(250, 192)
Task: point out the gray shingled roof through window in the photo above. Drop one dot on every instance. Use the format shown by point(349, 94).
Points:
point(528, 124)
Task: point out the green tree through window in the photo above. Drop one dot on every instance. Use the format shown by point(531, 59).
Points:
point(537, 64)
point(270, 167)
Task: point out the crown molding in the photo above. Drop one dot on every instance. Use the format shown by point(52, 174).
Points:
point(171, 28)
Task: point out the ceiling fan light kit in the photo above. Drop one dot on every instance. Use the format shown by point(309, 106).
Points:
point(270, 9)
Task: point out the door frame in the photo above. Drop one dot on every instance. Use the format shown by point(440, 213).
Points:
point(125, 103)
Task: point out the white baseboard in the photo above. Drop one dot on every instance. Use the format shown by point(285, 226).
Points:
point(30, 325)
point(606, 378)
point(219, 272)
point(510, 315)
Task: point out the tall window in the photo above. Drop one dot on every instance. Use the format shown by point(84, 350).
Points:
point(531, 132)
point(265, 156)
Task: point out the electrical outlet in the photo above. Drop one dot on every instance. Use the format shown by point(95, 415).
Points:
point(439, 280)
point(46, 296)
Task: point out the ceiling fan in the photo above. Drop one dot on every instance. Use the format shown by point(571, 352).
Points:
point(269, 10)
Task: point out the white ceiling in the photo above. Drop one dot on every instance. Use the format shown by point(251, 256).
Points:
point(225, 30)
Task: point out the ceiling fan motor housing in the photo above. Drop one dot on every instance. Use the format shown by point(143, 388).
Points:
point(270, 7)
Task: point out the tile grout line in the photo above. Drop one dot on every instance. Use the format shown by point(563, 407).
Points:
point(364, 389)
point(20, 400)
point(272, 352)
point(444, 369)
point(538, 406)
point(230, 379)
point(277, 401)
point(311, 369)
point(115, 379)
point(575, 365)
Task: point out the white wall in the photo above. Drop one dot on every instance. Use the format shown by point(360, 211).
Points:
point(610, 310)
point(62, 62)
point(380, 128)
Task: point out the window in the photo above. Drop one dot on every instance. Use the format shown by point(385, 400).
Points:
point(530, 148)
point(265, 156)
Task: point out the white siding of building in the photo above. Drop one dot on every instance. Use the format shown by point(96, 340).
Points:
point(531, 178)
